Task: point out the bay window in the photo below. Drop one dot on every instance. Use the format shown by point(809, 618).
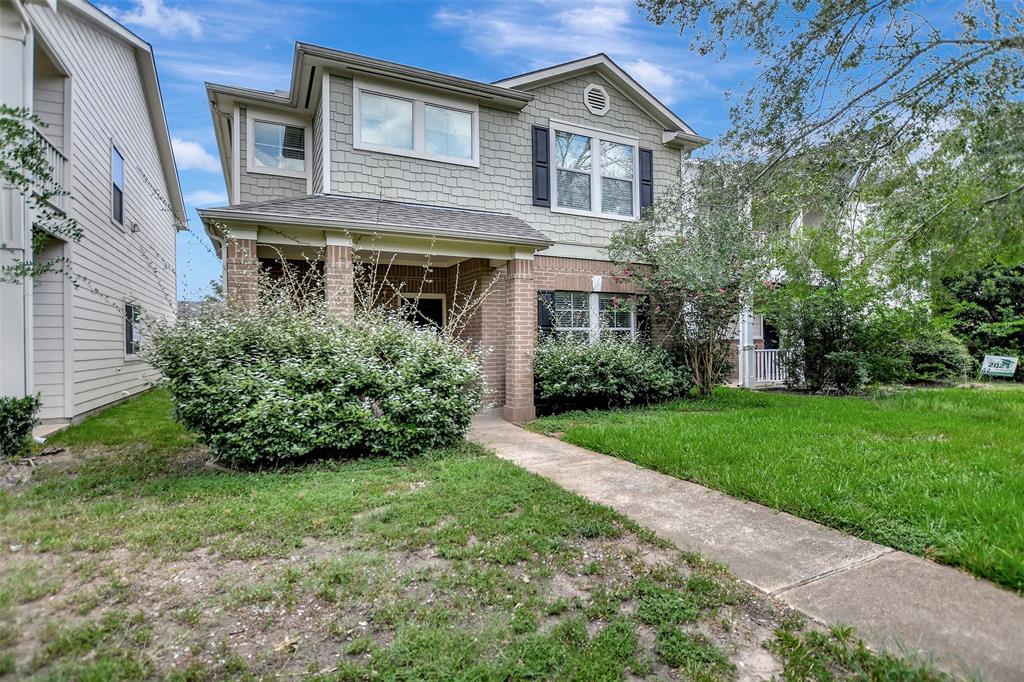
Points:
point(392, 120)
point(595, 173)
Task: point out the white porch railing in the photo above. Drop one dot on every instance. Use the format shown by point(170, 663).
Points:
point(768, 367)
point(58, 163)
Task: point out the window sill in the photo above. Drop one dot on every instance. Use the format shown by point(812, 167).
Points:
point(413, 154)
point(592, 214)
point(260, 170)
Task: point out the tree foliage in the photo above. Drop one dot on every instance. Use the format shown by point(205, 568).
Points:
point(695, 254)
point(906, 106)
point(24, 167)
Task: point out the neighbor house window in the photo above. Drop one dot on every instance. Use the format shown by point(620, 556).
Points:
point(132, 331)
point(395, 121)
point(278, 146)
point(593, 315)
point(116, 186)
point(595, 173)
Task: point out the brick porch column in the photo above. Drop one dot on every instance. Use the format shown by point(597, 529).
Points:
point(520, 331)
point(240, 268)
point(339, 279)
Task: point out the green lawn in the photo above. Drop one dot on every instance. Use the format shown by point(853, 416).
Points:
point(128, 559)
point(936, 472)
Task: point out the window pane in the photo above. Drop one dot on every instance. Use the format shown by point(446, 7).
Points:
point(572, 151)
point(616, 196)
point(386, 121)
point(572, 310)
point(616, 160)
point(279, 146)
point(117, 167)
point(615, 313)
point(573, 190)
point(449, 132)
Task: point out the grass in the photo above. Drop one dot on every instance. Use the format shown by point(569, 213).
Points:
point(935, 472)
point(131, 560)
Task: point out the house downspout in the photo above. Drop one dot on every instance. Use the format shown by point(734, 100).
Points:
point(28, 71)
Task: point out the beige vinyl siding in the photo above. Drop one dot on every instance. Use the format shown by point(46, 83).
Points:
point(48, 335)
point(111, 264)
point(504, 180)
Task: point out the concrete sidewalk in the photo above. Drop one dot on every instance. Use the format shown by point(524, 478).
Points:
point(896, 601)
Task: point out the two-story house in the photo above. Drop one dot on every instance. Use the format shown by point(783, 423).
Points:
point(73, 334)
point(518, 184)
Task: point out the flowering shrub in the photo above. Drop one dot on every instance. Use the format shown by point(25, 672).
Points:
point(17, 417)
point(280, 382)
point(571, 373)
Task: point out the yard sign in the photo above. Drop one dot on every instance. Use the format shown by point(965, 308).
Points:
point(999, 365)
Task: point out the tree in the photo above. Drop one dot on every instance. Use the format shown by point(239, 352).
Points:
point(856, 97)
point(23, 166)
point(696, 256)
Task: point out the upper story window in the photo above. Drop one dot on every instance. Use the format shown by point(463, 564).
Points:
point(594, 173)
point(116, 186)
point(415, 124)
point(276, 144)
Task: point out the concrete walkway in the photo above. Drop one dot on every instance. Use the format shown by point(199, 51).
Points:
point(896, 601)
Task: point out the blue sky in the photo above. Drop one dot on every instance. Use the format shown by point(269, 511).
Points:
point(250, 43)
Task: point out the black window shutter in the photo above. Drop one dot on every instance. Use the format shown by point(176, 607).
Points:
point(643, 317)
point(541, 168)
point(545, 312)
point(646, 178)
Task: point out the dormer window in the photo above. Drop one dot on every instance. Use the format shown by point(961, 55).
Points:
point(278, 145)
point(415, 123)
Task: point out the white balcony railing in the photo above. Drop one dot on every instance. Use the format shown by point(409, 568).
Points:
point(768, 367)
point(58, 164)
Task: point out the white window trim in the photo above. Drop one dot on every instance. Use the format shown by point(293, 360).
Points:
point(251, 116)
point(115, 147)
point(441, 297)
point(596, 136)
point(129, 357)
point(593, 329)
point(419, 101)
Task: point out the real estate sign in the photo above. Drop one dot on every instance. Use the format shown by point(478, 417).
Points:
point(999, 365)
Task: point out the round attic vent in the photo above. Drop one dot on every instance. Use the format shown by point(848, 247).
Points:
point(595, 98)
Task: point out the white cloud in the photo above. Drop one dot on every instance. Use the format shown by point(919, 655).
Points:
point(651, 76)
point(206, 197)
point(154, 14)
point(192, 156)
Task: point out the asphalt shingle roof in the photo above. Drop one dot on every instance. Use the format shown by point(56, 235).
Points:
point(362, 213)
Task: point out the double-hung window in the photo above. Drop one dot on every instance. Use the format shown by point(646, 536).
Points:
point(278, 147)
point(593, 315)
point(116, 186)
point(595, 173)
point(413, 123)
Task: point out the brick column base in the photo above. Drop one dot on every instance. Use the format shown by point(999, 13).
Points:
point(338, 281)
point(240, 268)
point(520, 332)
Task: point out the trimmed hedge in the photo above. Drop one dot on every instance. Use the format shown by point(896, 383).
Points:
point(573, 374)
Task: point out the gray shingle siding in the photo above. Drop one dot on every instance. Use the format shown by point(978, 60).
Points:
point(258, 186)
point(317, 152)
point(504, 179)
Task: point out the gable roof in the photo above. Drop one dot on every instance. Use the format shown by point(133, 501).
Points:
point(374, 215)
point(151, 89)
point(602, 64)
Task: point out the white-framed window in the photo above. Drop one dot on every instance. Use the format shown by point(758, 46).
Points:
point(412, 123)
point(277, 145)
point(595, 173)
point(132, 329)
point(593, 315)
point(428, 310)
point(116, 185)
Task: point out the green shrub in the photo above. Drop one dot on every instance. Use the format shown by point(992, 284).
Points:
point(281, 382)
point(938, 356)
point(17, 417)
point(571, 373)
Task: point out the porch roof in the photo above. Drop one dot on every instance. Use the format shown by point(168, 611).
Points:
point(389, 217)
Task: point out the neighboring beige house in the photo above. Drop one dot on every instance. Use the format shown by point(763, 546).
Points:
point(523, 180)
point(75, 339)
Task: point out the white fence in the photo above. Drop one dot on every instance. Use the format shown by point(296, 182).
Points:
point(768, 367)
point(57, 162)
